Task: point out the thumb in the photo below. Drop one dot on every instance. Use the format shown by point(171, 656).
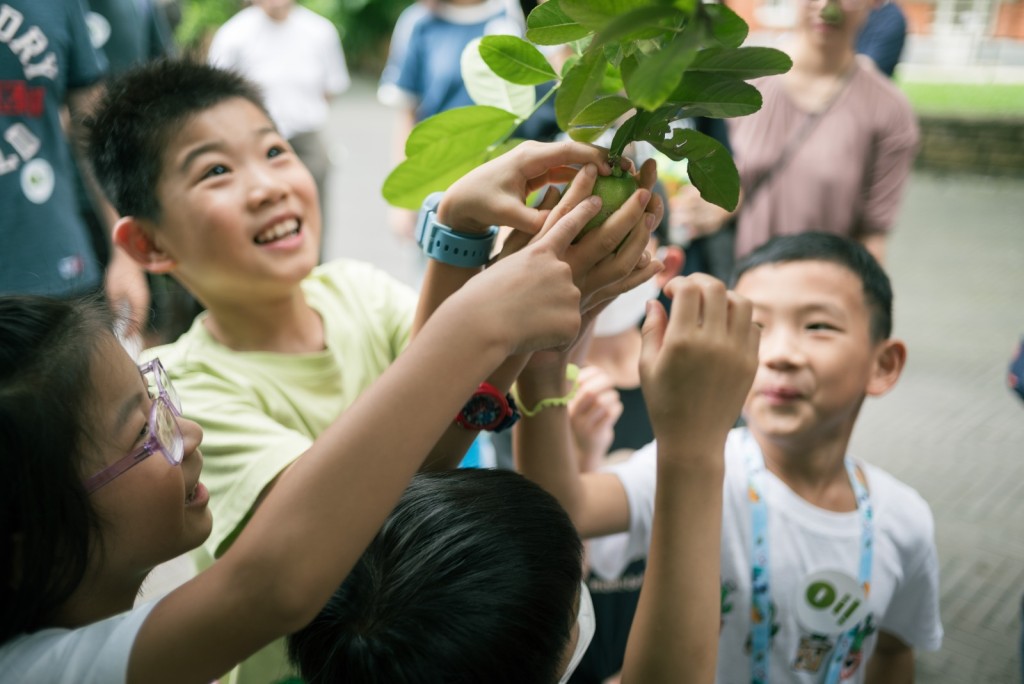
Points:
point(565, 230)
point(653, 335)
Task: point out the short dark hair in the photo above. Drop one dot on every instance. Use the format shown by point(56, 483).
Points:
point(47, 524)
point(137, 116)
point(835, 249)
point(473, 578)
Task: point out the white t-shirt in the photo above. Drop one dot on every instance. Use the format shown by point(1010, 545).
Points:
point(803, 540)
point(297, 62)
point(94, 654)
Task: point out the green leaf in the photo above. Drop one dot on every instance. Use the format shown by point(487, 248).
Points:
point(727, 27)
point(597, 14)
point(515, 60)
point(651, 83)
point(443, 148)
point(602, 112)
point(472, 127)
point(611, 83)
point(741, 63)
point(709, 165)
point(579, 87)
point(640, 24)
point(710, 95)
point(488, 88)
point(687, 6)
point(548, 24)
point(595, 118)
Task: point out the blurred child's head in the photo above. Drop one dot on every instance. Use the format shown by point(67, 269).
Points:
point(207, 188)
point(474, 577)
point(73, 403)
point(824, 306)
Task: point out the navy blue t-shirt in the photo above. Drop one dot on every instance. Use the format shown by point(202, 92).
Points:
point(45, 51)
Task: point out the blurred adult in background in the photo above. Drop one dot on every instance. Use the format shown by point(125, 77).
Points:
point(423, 74)
point(832, 147)
point(49, 74)
point(295, 56)
point(883, 36)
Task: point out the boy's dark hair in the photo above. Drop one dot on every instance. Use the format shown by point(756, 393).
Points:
point(473, 578)
point(47, 524)
point(845, 252)
point(139, 112)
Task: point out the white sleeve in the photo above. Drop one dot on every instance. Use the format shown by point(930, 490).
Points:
point(337, 79)
point(609, 556)
point(221, 53)
point(913, 612)
point(94, 654)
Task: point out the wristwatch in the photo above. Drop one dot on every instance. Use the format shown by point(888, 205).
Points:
point(488, 409)
point(438, 241)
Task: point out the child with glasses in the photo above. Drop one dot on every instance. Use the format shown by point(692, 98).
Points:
point(89, 507)
point(212, 194)
point(87, 512)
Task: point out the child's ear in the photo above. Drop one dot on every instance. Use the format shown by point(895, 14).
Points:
point(136, 238)
point(673, 257)
point(890, 357)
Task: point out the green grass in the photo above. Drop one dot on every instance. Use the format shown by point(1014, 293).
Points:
point(968, 99)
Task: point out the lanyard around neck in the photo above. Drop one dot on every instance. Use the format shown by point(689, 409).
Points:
point(761, 617)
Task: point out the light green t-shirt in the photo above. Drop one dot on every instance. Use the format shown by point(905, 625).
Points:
point(259, 410)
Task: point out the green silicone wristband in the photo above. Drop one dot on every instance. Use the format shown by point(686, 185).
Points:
point(572, 373)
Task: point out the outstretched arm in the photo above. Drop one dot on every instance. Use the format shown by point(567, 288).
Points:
point(324, 511)
point(596, 502)
point(696, 369)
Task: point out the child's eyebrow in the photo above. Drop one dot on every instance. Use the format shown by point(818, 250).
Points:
point(199, 151)
point(217, 146)
point(822, 307)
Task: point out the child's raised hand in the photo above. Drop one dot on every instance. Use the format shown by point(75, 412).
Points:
point(593, 413)
point(530, 296)
point(697, 365)
point(613, 259)
point(495, 193)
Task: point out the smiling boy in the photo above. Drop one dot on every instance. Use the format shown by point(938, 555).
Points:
point(211, 193)
point(829, 567)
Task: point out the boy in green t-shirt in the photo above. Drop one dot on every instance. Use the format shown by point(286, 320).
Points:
point(210, 193)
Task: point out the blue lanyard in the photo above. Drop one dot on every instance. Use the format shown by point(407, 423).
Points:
point(761, 618)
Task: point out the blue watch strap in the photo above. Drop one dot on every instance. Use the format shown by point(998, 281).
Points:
point(438, 241)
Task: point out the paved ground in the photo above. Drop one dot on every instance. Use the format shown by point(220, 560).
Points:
point(950, 428)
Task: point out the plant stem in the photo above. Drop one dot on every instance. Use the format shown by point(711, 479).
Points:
point(497, 143)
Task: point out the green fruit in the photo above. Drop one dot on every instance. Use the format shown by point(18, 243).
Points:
point(831, 13)
point(613, 191)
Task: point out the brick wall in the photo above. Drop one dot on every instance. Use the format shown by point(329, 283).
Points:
point(992, 147)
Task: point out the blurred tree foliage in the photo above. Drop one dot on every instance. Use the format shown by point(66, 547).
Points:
point(364, 25)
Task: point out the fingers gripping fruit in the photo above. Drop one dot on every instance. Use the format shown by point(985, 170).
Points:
point(613, 191)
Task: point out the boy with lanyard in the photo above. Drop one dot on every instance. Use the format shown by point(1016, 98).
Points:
point(475, 575)
point(829, 567)
point(211, 193)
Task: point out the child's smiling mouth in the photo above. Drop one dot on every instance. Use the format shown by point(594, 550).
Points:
point(281, 229)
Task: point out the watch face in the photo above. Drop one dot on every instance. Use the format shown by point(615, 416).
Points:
point(483, 411)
